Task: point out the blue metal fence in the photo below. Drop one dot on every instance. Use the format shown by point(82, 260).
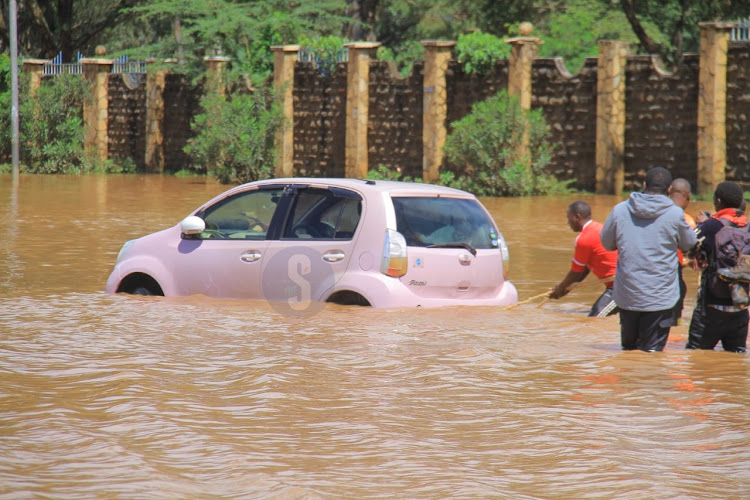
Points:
point(55, 66)
point(324, 64)
point(122, 64)
point(741, 31)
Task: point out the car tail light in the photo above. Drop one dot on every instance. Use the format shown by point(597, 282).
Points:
point(394, 260)
point(506, 256)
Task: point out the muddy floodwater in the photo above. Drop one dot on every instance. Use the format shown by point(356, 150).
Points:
point(125, 397)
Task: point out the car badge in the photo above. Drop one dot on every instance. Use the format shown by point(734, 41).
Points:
point(464, 259)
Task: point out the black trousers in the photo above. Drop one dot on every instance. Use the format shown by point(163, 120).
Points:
point(710, 326)
point(645, 330)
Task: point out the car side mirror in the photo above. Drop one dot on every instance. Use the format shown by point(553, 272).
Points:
point(192, 225)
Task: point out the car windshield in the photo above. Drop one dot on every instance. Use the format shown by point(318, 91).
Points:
point(444, 221)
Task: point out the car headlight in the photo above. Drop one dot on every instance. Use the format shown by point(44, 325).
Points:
point(128, 244)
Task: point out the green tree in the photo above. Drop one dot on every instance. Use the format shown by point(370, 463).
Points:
point(46, 27)
point(242, 30)
point(677, 22)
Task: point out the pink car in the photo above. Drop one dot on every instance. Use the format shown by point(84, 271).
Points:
point(303, 241)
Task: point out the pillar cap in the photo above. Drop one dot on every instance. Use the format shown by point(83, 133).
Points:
point(719, 25)
point(285, 48)
point(438, 43)
point(96, 60)
point(524, 40)
point(35, 61)
point(363, 45)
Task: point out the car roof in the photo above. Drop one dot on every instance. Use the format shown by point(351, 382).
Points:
point(397, 188)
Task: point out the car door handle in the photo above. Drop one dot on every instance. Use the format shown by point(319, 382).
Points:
point(251, 256)
point(333, 256)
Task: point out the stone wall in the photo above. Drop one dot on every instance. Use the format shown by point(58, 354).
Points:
point(569, 106)
point(661, 119)
point(319, 121)
point(466, 89)
point(395, 127)
point(181, 104)
point(127, 115)
point(738, 113)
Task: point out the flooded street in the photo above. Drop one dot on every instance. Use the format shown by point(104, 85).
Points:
point(144, 397)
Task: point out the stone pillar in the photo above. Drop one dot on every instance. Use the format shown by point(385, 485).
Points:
point(712, 105)
point(522, 54)
point(215, 66)
point(358, 107)
point(34, 68)
point(96, 112)
point(155, 84)
point(284, 59)
point(610, 116)
point(434, 107)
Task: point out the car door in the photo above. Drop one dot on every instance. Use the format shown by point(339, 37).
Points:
point(226, 259)
point(315, 244)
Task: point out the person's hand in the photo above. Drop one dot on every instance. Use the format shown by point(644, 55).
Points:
point(557, 292)
point(702, 216)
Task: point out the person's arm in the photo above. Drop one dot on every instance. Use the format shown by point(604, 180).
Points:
point(686, 239)
point(562, 288)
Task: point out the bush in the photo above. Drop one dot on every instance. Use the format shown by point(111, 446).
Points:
point(52, 126)
point(236, 136)
point(479, 51)
point(484, 150)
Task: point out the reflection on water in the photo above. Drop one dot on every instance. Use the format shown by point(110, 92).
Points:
point(129, 397)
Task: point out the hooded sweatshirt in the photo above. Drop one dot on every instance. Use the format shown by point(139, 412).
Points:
point(646, 230)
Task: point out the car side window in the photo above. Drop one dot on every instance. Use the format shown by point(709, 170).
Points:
point(245, 215)
point(324, 214)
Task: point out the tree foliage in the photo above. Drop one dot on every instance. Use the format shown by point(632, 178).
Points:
point(46, 27)
point(242, 30)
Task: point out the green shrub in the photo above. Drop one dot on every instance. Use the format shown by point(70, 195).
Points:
point(384, 173)
point(51, 125)
point(326, 51)
point(404, 57)
point(479, 51)
point(236, 135)
point(483, 148)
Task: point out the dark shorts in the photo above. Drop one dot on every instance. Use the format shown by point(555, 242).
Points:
point(604, 305)
point(645, 330)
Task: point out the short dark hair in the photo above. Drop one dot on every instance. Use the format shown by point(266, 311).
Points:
point(580, 208)
point(730, 194)
point(658, 180)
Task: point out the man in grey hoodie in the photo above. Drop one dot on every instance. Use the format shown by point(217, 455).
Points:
point(646, 230)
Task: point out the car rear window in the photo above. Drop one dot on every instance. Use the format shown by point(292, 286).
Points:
point(439, 221)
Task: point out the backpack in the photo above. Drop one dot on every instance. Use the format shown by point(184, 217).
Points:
point(729, 243)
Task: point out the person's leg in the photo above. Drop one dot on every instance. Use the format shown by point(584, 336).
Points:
point(654, 329)
point(697, 324)
point(734, 328)
point(681, 301)
point(629, 329)
point(713, 321)
point(604, 305)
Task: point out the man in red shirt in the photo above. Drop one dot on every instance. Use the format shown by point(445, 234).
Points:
point(589, 256)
